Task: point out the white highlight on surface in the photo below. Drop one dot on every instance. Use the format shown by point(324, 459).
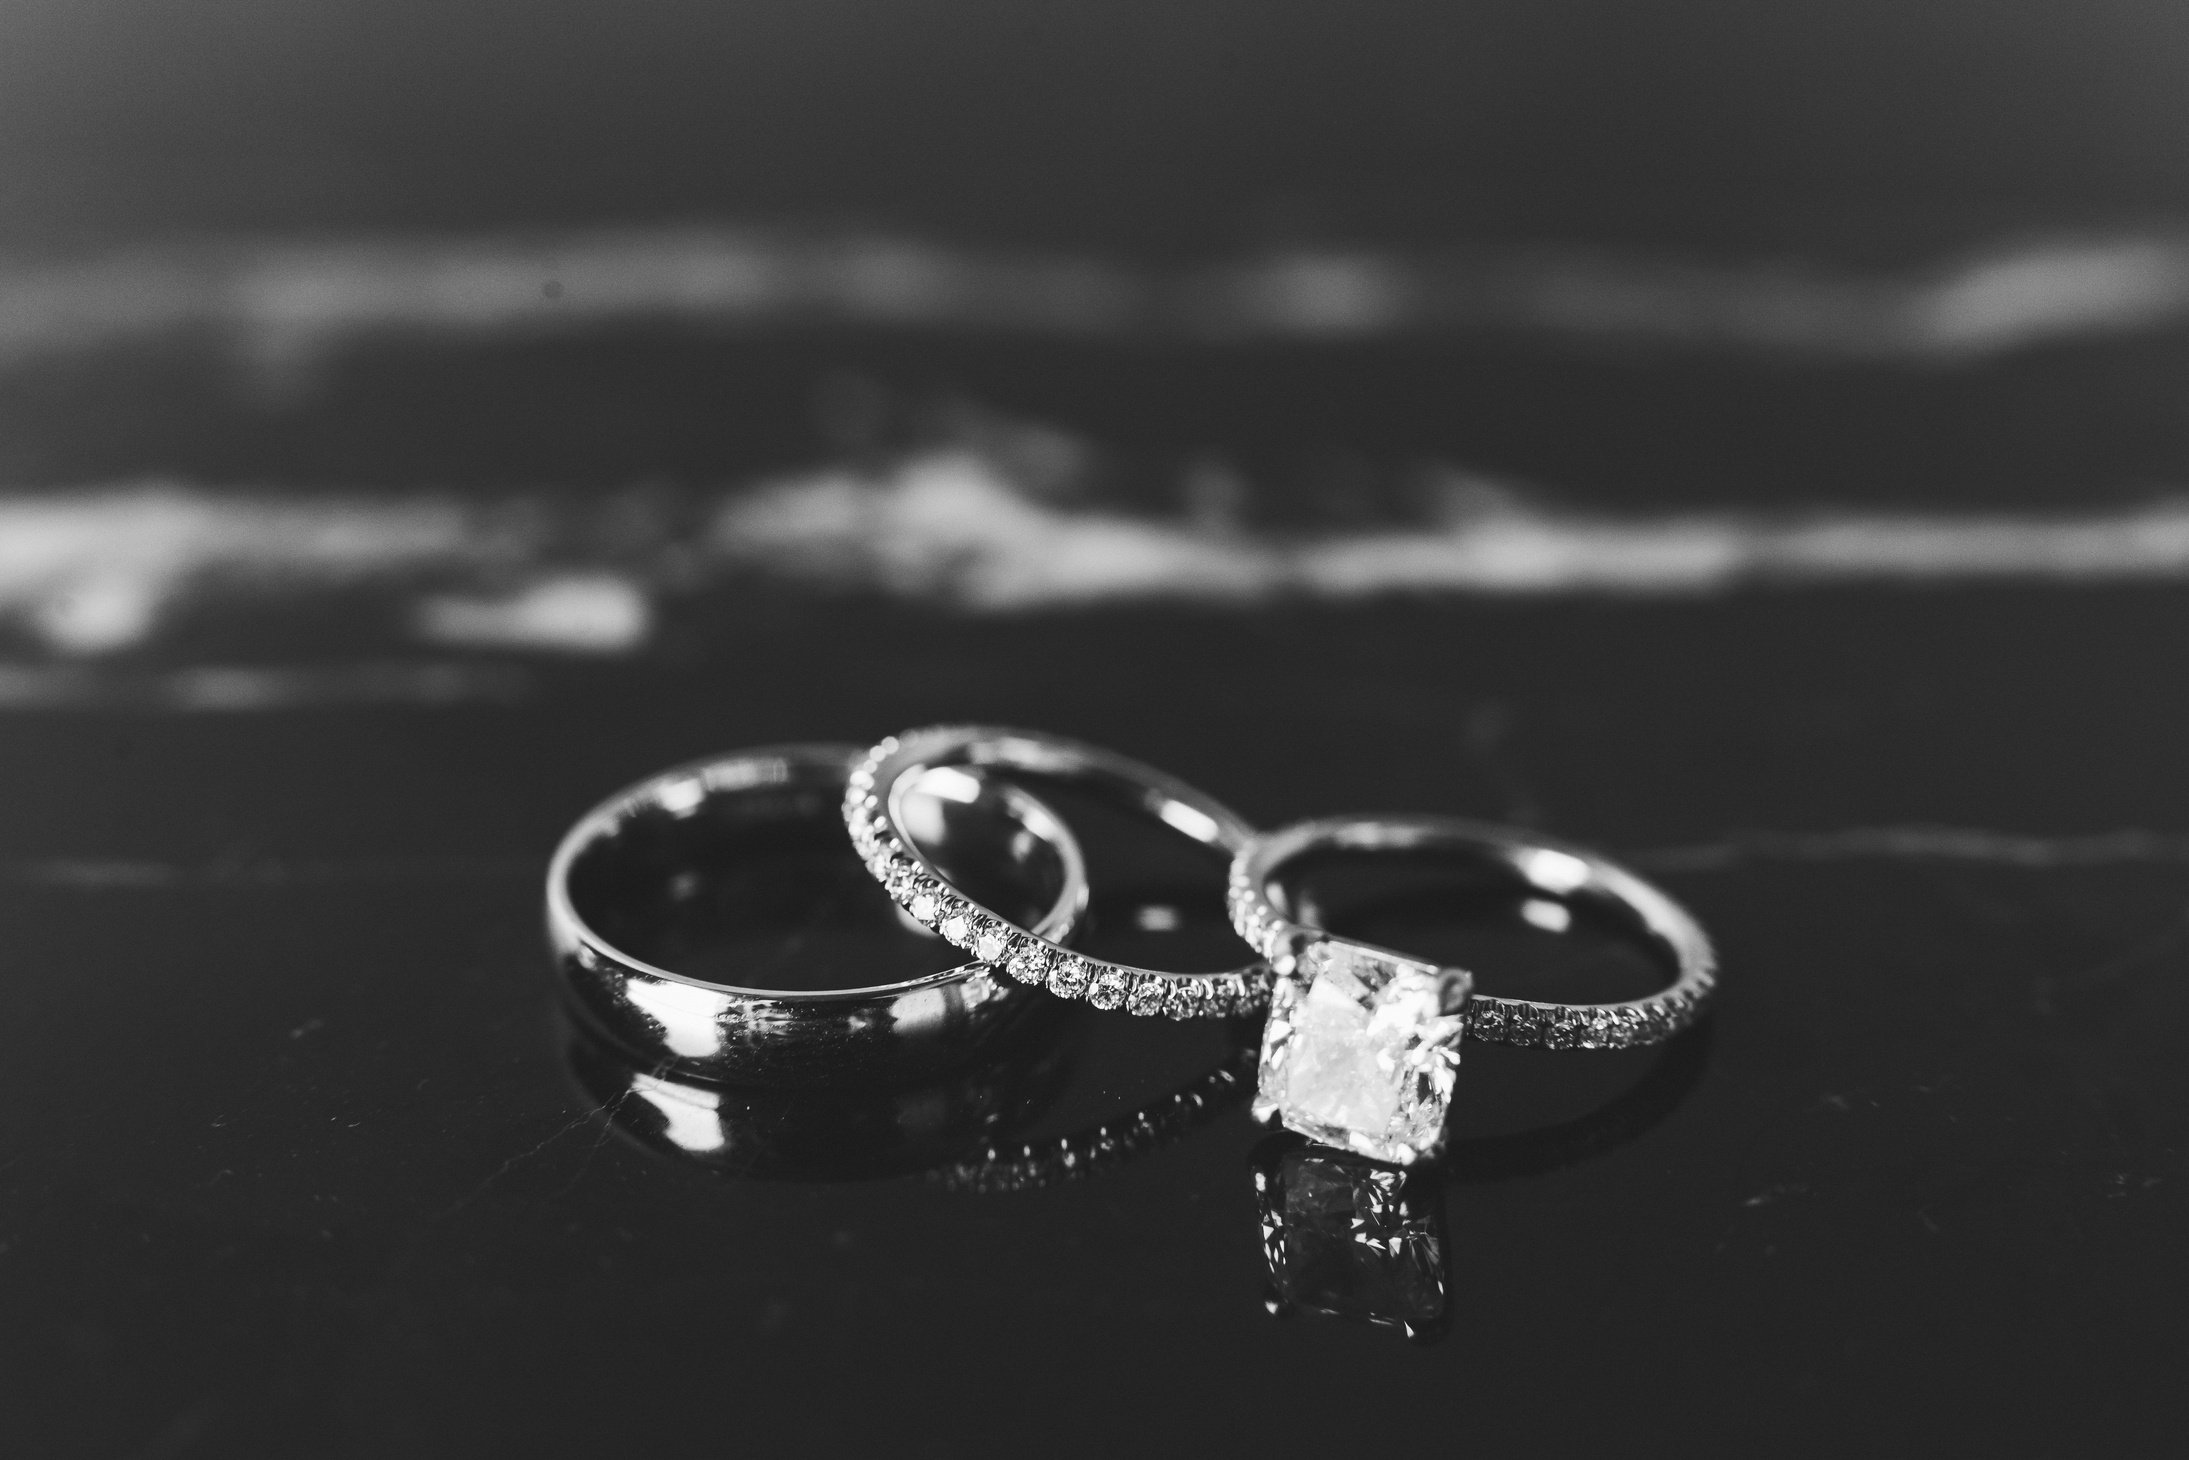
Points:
point(105, 570)
point(101, 611)
point(949, 783)
point(1553, 871)
point(922, 1011)
point(1156, 917)
point(951, 527)
point(286, 303)
point(693, 1115)
point(1551, 917)
point(95, 571)
point(1195, 823)
point(592, 613)
point(689, 1016)
point(681, 797)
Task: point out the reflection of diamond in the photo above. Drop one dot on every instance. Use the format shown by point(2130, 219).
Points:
point(1348, 1238)
point(1360, 1050)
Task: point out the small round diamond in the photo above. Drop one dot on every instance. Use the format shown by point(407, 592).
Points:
point(990, 944)
point(957, 927)
point(1184, 998)
point(1107, 990)
point(924, 907)
point(1486, 1020)
point(1030, 964)
point(1147, 996)
point(1068, 976)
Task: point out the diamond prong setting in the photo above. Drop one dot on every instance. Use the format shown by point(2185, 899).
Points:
point(1006, 948)
point(1361, 1049)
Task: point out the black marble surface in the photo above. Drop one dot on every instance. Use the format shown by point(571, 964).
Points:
point(295, 1164)
point(298, 1158)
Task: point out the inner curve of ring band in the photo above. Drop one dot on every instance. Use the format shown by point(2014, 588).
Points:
point(1513, 936)
point(621, 870)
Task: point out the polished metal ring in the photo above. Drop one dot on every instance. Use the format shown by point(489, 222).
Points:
point(1362, 1042)
point(792, 1037)
point(874, 811)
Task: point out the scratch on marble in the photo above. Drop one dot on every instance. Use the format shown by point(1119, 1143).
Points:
point(600, 1112)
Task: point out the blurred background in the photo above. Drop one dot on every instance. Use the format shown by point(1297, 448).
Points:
point(533, 326)
point(1745, 437)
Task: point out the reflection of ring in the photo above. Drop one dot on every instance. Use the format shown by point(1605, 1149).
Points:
point(874, 811)
point(633, 850)
point(1031, 1164)
point(813, 1135)
point(1362, 1043)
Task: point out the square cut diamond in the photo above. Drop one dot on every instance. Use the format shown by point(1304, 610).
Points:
point(1360, 1050)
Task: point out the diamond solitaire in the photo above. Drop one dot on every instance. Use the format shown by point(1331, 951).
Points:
point(1360, 1050)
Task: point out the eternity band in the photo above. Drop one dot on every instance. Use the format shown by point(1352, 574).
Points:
point(874, 812)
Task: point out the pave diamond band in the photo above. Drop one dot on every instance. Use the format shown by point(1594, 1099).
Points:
point(875, 815)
